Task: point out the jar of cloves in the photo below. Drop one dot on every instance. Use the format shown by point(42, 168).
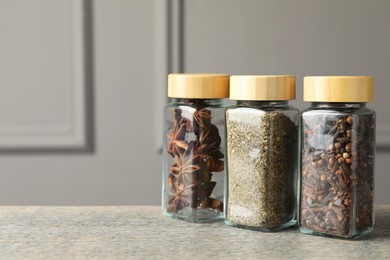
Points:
point(194, 147)
point(262, 136)
point(337, 163)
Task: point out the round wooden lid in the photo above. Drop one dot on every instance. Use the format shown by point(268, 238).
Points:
point(202, 86)
point(338, 89)
point(262, 87)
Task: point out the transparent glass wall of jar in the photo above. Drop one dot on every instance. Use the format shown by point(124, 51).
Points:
point(338, 151)
point(262, 137)
point(194, 147)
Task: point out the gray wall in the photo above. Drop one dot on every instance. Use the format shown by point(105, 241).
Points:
point(302, 38)
point(121, 165)
point(82, 83)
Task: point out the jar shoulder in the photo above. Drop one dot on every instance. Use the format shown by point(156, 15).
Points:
point(198, 103)
point(256, 114)
point(341, 111)
point(288, 108)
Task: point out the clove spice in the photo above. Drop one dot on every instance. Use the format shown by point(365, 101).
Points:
point(337, 188)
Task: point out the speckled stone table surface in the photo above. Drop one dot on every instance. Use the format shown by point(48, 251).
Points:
point(141, 232)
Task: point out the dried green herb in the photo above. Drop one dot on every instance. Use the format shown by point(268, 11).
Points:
point(261, 168)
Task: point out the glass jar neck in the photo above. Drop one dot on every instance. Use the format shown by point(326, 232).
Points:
point(198, 102)
point(263, 103)
point(337, 105)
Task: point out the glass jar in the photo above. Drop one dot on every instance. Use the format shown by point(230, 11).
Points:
point(337, 164)
point(194, 147)
point(262, 136)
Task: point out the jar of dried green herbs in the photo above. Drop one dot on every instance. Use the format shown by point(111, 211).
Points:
point(194, 147)
point(338, 150)
point(262, 134)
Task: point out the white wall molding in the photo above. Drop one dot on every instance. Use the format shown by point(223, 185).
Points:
point(66, 127)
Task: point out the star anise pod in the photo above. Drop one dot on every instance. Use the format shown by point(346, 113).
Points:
point(216, 204)
point(210, 163)
point(181, 198)
point(202, 117)
point(177, 114)
point(209, 137)
point(208, 150)
point(177, 145)
point(172, 182)
point(185, 168)
point(177, 136)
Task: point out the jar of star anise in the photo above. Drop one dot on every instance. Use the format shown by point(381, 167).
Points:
point(194, 147)
point(337, 164)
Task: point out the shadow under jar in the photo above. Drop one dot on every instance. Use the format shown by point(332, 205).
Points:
point(337, 164)
point(262, 134)
point(194, 146)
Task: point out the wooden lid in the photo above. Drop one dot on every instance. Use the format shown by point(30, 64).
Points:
point(203, 86)
point(262, 87)
point(338, 89)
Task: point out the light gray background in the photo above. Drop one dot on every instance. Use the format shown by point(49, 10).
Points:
point(130, 47)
